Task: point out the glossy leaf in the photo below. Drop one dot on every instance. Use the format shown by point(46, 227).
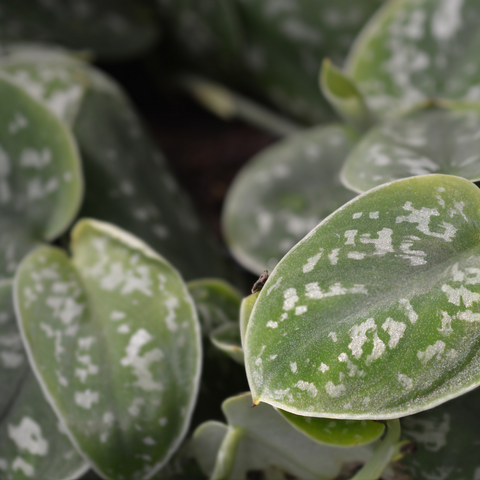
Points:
point(284, 192)
point(129, 182)
point(33, 443)
point(269, 446)
point(383, 298)
point(227, 339)
point(343, 95)
point(404, 147)
point(115, 342)
point(112, 29)
point(40, 176)
point(416, 50)
point(342, 433)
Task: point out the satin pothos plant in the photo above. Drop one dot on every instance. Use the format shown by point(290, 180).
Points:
point(130, 348)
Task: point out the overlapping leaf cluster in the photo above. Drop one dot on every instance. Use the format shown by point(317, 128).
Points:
point(109, 358)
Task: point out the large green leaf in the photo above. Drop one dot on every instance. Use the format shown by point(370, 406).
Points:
point(114, 339)
point(283, 193)
point(33, 443)
point(415, 50)
point(40, 176)
point(427, 141)
point(375, 313)
point(446, 439)
point(264, 444)
point(129, 182)
point(112, 29)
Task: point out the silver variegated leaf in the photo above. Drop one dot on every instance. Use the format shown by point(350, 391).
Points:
point(113, 337)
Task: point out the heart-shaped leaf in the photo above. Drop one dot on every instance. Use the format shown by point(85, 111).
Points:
point(40, 176)
point(115, 341)
point(404, 147)
point(283, 193)
point(375, 313)
point(111, 29)
point(33, 443)
point(268, 446)
point(418, 50)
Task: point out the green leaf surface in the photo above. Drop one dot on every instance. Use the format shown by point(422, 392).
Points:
point(375, 314)
point(227, 339)
point(51, 76)
point(217, 302)
point(40, 176)
point(218, 305)
point(207, 440)
point(304, 32)
point(446, 439)
point(342, 433)
point(416, 50)
point(424, 142)
point(269, 446)
point(344, 96)
point(112, 29)
point(33, 443)
point(129, 182)
point(131, 186)
point(284, 192)
point(115, 341)
point(245, 312)
point(278, 47)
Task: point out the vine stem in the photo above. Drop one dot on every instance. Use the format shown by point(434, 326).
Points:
point(380, 459)
point(228, 105)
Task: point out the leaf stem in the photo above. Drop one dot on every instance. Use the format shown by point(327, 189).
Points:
point(227, 453)
point(382, 456)
point(229, 105)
